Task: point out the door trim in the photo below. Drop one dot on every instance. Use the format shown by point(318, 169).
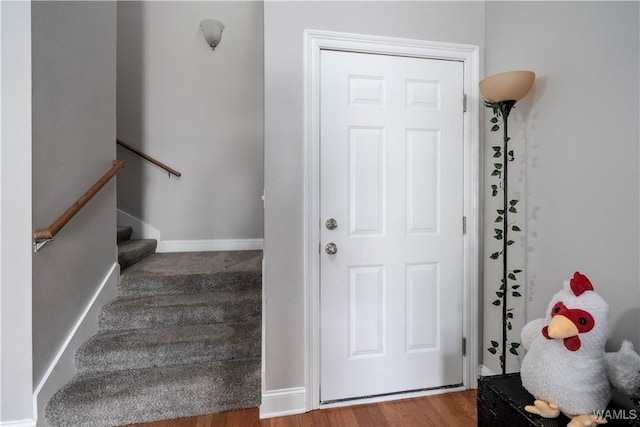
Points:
point(314, 42)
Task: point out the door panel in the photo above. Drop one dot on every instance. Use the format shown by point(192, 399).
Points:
point(391, 176)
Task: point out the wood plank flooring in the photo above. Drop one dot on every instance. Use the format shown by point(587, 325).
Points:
point(450, 409)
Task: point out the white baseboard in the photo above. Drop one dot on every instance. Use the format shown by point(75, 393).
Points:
point(62, 369)
point(141, 230)
point(210, 245)
point(19, 423)
point(278, 403)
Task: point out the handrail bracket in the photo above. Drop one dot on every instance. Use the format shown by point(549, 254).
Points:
point(38, 244)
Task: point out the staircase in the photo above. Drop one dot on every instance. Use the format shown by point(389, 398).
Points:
point(183, 338)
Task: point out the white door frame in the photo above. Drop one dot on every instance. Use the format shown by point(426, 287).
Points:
point(315, 41)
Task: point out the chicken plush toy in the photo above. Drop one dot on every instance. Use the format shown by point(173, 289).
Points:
point(565, 367)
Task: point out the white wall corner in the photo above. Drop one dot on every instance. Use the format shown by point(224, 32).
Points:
point(16, 324)
point(210, 245)
point(282, 402)
point(141, 230)
point(63, 368)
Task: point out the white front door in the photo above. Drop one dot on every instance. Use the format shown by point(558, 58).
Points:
point(391, 176)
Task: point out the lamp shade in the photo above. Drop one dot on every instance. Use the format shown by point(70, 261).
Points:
point(507, 86)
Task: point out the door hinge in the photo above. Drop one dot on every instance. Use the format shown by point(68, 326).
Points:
point(464, 225)
point(464, 346)
point(464, 103)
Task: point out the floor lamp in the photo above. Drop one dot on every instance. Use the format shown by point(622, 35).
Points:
point(501, 92)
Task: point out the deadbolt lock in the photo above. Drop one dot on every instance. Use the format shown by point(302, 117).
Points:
point(332, 223)
point(331, 248)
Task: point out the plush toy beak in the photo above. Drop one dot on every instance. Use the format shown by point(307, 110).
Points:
point(561, 327)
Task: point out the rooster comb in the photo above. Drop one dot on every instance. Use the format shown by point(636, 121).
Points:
point(580, 284)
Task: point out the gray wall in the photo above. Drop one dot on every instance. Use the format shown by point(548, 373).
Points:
point(197, 110)
point(457, 22)
point(74, 123)
point(16, 387)
point(577, 139)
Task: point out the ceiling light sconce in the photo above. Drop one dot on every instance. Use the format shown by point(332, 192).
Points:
point(212, 31)
point(501, 92)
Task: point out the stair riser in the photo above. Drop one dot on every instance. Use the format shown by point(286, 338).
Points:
point(123, 234)
point(145, 349)
point(124, 360)
point(118, 318)
point(133, 251)
point(191, 284)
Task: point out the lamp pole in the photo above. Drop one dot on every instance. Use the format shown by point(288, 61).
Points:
point(501, 91)
point(505, 109)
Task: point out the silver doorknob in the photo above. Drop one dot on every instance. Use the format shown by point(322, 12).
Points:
point(331, 224)
point(331, 248)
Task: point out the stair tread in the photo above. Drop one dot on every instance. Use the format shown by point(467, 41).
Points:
point(135, 312)
point(139, 348)
point(129, 245)
point(190, 263)
point(188, 284)
point(131, 252)
point(150, 394)
point(193, 272)
point(200, 300)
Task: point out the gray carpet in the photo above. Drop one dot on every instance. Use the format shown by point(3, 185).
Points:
point(193, 272)
point(182, 339)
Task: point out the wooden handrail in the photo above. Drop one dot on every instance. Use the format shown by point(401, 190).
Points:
point(46, 235)
point(149, 158)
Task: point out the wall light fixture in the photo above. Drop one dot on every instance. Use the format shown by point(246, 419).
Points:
point(212, 31)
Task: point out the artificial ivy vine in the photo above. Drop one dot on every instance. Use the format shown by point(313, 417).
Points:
point(509, 286)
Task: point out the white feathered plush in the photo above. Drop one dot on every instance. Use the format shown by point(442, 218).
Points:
point(565, 367)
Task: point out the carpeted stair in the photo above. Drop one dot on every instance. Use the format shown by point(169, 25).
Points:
point(182, 339)
point(132, 251)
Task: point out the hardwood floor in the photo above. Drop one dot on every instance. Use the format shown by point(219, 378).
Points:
point(451, 409)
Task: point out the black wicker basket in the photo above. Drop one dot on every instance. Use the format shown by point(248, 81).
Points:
point(501, 402)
